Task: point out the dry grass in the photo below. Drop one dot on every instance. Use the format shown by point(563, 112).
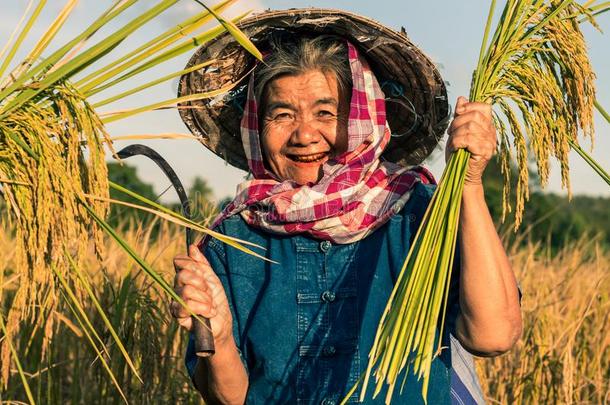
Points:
point(563, 356)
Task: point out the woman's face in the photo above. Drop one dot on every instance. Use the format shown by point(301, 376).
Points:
point(304, 125)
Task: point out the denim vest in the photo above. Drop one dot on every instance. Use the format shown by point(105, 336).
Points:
point(304, 326)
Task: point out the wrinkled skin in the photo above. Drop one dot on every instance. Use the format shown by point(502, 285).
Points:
point(304, 125)
point(473, 129)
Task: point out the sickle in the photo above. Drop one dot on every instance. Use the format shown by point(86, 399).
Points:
point(202, 331)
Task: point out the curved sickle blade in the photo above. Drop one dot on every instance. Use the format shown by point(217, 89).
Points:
point(202, 331)
point(138, 149)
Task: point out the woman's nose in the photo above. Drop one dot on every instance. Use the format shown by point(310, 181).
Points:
point(305, 133)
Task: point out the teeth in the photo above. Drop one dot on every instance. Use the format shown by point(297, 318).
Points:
point(310, 158)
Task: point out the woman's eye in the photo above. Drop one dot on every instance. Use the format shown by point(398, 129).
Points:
point(325, 113)
point(282, 116)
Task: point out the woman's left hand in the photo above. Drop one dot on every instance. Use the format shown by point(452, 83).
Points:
point(473, 129)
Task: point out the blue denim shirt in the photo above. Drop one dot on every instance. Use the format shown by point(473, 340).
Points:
point(304, 327)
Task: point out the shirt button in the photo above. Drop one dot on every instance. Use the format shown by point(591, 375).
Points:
point(329, 351)
point(397, 207)
point(328, 401)
point(325, 246)
point(328, 296)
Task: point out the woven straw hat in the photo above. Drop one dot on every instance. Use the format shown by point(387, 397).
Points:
point(416, 97)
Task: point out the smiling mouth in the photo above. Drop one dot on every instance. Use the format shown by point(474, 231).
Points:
point(313, 158)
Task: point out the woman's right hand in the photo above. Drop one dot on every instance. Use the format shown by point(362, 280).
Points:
point(201, 290)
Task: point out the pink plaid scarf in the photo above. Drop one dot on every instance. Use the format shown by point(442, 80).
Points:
point(358, 191)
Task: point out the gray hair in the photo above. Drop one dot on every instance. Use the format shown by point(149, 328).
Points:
point(296, 54)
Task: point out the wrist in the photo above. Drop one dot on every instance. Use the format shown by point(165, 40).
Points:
point(225, 343)
point(224, 352)
point(473, 189)
point(224, 349)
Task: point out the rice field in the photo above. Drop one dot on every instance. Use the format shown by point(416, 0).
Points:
point(71, 372)
point(81, 322)
point(563, 356)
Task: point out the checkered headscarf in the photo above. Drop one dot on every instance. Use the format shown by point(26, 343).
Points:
point(358, 192)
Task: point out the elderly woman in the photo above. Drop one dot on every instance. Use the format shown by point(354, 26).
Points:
point(336, 219)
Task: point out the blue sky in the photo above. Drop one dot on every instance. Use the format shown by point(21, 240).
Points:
point(448, 31)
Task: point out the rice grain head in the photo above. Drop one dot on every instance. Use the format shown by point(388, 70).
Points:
point(540, 75)
point(47, 212)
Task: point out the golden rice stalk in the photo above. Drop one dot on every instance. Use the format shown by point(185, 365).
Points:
point(52, 158)
point(47, 215)
point(536, 71)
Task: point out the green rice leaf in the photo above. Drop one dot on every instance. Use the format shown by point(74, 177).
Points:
point(22, 35)
point(87, 57)
point(50, 61)
point(602, 111)
point(151, 47)
point(166, 55)
point(100, 355)
point(151, 84)
point(591, 162)
point(85, 283)
point(492, 7)
point(15, 355)
point(17, 28)
point(171, 103)
point(156, 277)
point(239, 36)
point(233, 242)
point(51, 32)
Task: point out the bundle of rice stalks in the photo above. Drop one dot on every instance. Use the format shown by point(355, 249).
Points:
point(536, 73)
point(52, 159)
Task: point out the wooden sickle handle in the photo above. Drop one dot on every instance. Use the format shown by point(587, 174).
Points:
point(204, 341)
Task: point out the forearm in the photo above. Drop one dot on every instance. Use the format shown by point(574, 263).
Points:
point(222, 378)
point(490, 319)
